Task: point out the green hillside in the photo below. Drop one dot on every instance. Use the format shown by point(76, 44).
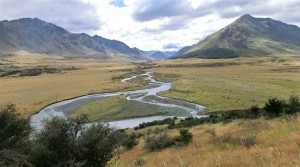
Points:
point(249, 36)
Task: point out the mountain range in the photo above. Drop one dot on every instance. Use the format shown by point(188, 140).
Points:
point(39, 37)
point(159, 55)
point(248, 36)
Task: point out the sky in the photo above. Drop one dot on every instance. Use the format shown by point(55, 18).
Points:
point(149, 24)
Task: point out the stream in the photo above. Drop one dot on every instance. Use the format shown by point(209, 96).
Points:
point(147, 96)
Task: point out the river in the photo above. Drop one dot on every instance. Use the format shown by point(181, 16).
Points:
point(149, 96)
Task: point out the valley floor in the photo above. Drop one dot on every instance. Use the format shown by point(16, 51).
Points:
point(220, 85)
point(32, 92)
point(232, 84)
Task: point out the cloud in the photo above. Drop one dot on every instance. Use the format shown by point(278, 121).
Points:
point(150, 10)
point(149, 24)
point(73, 15)
point(171, 46)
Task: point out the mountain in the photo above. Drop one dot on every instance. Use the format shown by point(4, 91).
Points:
point(182, 51)
point(170, 53)
point(249, 36)
point(120, 47)
point(40, 37)
point(159, 55)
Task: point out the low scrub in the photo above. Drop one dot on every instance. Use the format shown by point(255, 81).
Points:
point(272, 109)
point(163, 140)
point(130, 140)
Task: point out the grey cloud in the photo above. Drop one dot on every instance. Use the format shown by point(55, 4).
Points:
point(180, 13)
point(171, 46)
point(72, 15)
point(165, 8)
point(151, 10)
point(173, 25)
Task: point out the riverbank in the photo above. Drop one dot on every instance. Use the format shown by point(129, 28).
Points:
point(66, 108)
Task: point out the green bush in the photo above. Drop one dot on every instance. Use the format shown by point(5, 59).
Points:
point(56, 143)
point(14, 130)
point(275, 107)
point(68, 143)
point(293, 105)
point(184, 138)
point(157, 143)
point(153, 143)
point(97, 144)
point(130, 140)
point(14, 137)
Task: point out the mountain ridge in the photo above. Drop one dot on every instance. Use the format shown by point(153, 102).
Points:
point(159, 55)
point(40, 37)
point(249, 36)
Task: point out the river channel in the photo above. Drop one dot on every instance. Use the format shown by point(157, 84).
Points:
point(147, 96)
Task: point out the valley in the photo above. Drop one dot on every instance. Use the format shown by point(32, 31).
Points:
point(76, 99)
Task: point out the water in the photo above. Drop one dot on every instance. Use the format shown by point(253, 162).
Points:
point(66, 107)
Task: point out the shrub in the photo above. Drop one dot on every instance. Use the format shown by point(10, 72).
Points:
point(130, 140)
point(154, 143)
point(14, 136)
point(56, 144)
point(254, 112)
point(68, 143)
point(14, 129)
point(97, 144)
point(184, 138)
point(293, 105)
point(275, 107)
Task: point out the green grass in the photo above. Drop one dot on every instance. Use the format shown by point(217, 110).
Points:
point(250, 81)
point(116, 108)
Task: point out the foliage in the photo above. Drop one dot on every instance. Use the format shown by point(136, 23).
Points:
point(68, 143)
point(97, 144)
point(14, 136)
point(55, 143)
point(272, 109)
point(153, 143)
point(275, 106)
point(169, 121)
point(293, 106)
point(162, 141)
point(14, 129)
point(130, 140)
point(184, 138)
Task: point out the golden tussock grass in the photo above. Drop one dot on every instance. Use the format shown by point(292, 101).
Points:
point(31, 93)
point(203, 151)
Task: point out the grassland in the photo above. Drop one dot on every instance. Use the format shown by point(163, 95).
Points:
point(220, 85)
point(277, 144)
point(232, 84)
point(223, 85)
point(117, 107)
point(31, 93)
